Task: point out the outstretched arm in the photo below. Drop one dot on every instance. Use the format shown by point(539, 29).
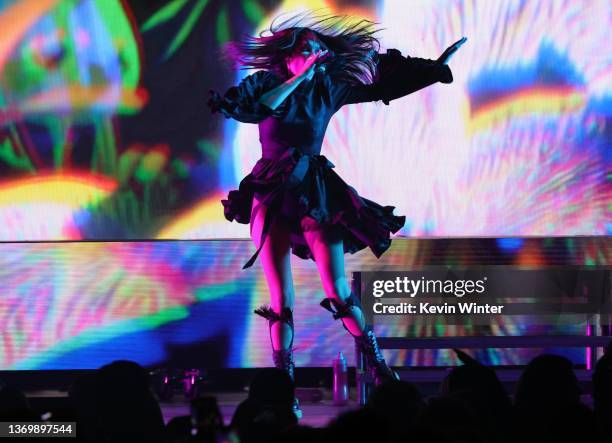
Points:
point(398, 76)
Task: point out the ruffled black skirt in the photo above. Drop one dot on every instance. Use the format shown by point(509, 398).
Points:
point(298, 185)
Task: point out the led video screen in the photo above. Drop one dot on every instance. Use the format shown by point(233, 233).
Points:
point(185, 304)
point(105, 132)
point(105, 136)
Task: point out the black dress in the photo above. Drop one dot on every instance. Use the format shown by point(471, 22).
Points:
point(292, 179)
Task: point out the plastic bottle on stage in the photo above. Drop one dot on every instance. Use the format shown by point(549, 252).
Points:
point(341, 388)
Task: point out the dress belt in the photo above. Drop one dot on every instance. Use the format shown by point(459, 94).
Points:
point(296, 177)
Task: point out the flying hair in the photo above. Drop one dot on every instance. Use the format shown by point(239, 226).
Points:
point(351, 44)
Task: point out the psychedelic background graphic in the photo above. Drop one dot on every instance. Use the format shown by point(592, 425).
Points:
point(189, 304)
point(105, 136)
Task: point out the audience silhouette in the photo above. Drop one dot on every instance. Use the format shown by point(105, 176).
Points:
point(116, 404)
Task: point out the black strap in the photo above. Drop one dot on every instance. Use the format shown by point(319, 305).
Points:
point(286, 314)
point(268, 221)
point(341, 310)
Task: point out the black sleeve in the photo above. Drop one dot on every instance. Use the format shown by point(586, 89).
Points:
point(242, 103)
point(396, 76)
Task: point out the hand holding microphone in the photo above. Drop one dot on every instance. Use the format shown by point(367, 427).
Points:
point(310, 67)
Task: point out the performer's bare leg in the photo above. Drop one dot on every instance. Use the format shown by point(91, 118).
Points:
point(275, 258)
point(329, 257)
point(328, 252)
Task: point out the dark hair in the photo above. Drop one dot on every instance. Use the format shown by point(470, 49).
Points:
point(351, 44)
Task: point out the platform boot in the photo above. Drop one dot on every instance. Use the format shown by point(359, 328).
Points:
point(376, 365)
point(282, 358)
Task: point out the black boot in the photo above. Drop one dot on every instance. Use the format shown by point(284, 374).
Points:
point(283, 358)
point(380, 371)
point(367, 343)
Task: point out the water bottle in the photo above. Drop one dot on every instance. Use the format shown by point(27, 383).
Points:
point(341, 388)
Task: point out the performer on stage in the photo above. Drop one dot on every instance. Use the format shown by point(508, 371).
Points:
point(308, 68)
